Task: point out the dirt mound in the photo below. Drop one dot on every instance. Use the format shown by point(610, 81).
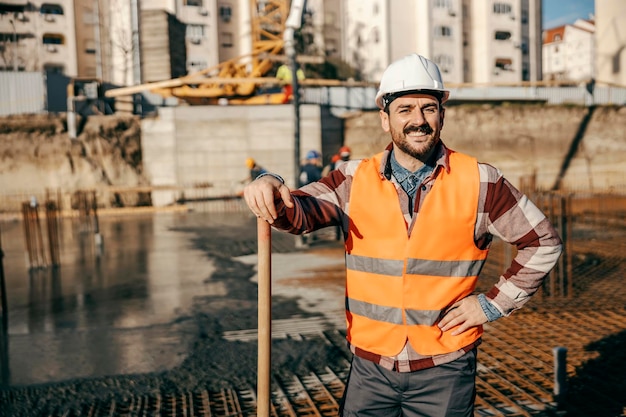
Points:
point(36, 153)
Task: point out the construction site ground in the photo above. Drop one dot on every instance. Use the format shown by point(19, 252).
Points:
point(70, 354)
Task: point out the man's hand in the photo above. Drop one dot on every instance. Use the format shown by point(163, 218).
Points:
point(261, 193)
point(465, 313)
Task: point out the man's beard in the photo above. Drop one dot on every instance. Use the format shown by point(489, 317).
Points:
point(399, 140)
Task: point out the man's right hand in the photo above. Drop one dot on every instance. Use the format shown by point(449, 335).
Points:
point(261, 193)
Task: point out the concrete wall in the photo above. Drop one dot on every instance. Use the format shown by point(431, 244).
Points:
point(587, 145)
point(580, 147)
point(194, 145)
point(187, 146)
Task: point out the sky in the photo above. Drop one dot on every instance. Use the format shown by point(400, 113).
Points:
point(560, 12)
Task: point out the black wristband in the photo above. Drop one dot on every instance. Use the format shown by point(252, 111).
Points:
point(278, 177)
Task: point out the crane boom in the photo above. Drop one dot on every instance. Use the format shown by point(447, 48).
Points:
point(237, 78)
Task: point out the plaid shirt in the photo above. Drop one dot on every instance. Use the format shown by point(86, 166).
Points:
point(503, 212)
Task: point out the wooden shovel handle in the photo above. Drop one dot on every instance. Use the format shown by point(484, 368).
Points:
point(264, 270)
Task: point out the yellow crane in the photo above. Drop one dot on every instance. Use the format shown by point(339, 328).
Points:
point(238, 79)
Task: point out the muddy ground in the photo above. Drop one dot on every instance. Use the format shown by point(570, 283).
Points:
point(212, 363)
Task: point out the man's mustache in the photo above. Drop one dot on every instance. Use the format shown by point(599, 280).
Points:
point(425, 128)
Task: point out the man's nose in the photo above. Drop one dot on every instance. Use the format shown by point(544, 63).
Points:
point(417, 117)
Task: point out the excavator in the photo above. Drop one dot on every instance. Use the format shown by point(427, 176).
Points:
point(237, 81)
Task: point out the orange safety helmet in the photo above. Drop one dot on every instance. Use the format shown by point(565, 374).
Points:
point(250, 163)
point(344, 151)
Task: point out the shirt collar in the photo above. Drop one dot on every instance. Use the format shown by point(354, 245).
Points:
point(440, 158)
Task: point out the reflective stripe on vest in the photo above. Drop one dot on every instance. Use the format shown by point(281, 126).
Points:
point(414, 266)
point(397, 285)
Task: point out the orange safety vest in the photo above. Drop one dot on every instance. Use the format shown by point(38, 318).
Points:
point(398, 285)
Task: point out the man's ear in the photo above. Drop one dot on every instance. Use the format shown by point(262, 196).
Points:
point(443, 114)
point(384, 120)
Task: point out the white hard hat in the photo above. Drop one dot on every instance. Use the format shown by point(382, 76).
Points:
point(408, 74)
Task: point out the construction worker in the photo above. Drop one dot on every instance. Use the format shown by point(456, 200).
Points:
point(285, 74)
point(254, 168)
point(418, 220)
point(311, 169)
point(344, 155)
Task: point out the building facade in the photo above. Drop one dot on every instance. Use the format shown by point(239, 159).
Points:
point(473, 41)
point(505, 41)
point(38, 36)
point(568, 52)
point(610, 49)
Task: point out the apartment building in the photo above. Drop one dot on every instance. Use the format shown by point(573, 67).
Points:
point(610, 51)
point(331, 33)
point(202, 19)
point(127, 53)
point(38, 35)
point(474, 41)
point(569, 51)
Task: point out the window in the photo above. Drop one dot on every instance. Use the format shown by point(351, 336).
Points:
point(192, 3)
point(197, 64)
point(195, 32)
point(375, 35)
point(50, 8)
point(331, 46)
point(443, 31)
point(524, 45)
point(445, 62)
point(90, 46)
point(502, 35)
point(501, 8)
point(615, 61)
point(504, 64)
point(53, 39)
point(226, 40)
point(442, 4)
point(557, 38)
point(225, 13)
point(55, 68)
point(525, 72)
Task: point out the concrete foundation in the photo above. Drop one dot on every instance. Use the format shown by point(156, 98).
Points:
point(200, 145)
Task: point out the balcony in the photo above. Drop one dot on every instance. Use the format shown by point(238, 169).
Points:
point(53, 22)
point(54, 53)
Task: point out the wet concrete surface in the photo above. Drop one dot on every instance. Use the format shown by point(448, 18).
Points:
point(165, 314)
point(148, 310)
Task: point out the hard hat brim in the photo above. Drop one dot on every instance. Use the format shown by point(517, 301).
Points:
point(441, 95)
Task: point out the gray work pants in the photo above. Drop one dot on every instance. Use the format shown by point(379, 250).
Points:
point(446, 390)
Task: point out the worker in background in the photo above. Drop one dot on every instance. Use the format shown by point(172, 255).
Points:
point(418, 220)
point(344, 156)
point(284, 74)
point(254, 168)
point(331, 166)
point(311, 169)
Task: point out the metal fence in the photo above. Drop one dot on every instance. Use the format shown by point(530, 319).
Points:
point(34, 92)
